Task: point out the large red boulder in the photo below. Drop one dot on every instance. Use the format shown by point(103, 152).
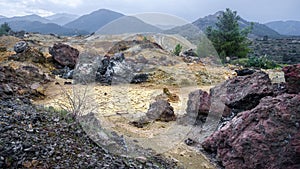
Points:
point(64, 54)
point(267, 136)
point(292, 78)
point(243, 92)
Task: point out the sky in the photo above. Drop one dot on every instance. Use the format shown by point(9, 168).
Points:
point(252, 10)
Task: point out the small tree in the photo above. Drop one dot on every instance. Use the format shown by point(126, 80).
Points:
point(4, 29)
point(177, 49)
point(227, 38)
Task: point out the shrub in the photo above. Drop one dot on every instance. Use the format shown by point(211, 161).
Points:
point(177, 49)
point(4, 29)
point(257, 62)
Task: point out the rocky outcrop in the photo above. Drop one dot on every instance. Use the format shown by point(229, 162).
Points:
point(30, 55)
point(190, 56)
point(20, 46)
point(115, 70)
point(264, 137)
point(198, 105)
point(124, 45)
point(24, 81)
point(238, 94)
point(65, 73)
point(161, 110)
point(292, 78)
point(64, 54)
point(244, 92)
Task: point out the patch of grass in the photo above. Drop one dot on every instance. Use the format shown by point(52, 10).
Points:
point(61, 112)
point(256, 62)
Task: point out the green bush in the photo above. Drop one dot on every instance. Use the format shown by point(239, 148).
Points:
point(4, 29)
point(177, 49)
point(257, 62)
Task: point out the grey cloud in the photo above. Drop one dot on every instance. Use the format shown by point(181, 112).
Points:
point(255, 10)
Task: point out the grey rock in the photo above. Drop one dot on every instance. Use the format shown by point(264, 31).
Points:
point(20, 46)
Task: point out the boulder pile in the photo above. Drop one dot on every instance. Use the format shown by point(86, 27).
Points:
point(266, 134)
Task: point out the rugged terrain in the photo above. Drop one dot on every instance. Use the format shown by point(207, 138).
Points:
point(137, 100)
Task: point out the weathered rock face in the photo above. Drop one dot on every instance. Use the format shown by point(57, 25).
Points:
point(265, 137)
point(26, 80)
point(161, 110)
point(65, 73)
point(279, 88)
point(115, 70)
point(124, 45)
point(244, 92)
point(20, 46)
point(198, 104)
point(292, 78)
point(30, 55)
point(64, 54)
point(198, 107)
point(190, 56)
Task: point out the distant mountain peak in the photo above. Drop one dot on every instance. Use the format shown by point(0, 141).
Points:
point(95, 20)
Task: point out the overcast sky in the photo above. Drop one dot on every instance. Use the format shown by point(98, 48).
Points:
point(252, 10)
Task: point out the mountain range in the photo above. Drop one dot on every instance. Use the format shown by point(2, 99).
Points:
point(69, 24)
point(94, 21)
point(62, 18)
point(291, 28)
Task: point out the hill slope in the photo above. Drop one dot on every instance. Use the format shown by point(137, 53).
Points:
point(285, 27)
point(43, 28)
point(128, 24)
point(94, 21)
point(62, 18)
point(30, 18)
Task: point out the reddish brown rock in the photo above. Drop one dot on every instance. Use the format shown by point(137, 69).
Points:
point(198, 105)
point(30, 55)
point(21, 81)
point(267, 136)
point(161, 110)
point(292, 78)
point(64, 54)
point(244, 92)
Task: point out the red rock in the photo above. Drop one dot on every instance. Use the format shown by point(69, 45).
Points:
point(198, 107)
point(198, 103)
point(267, 136)
point(292, 78)
point(64, 54)
point(19, 81)
point(244, 92)
point(161, 110)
